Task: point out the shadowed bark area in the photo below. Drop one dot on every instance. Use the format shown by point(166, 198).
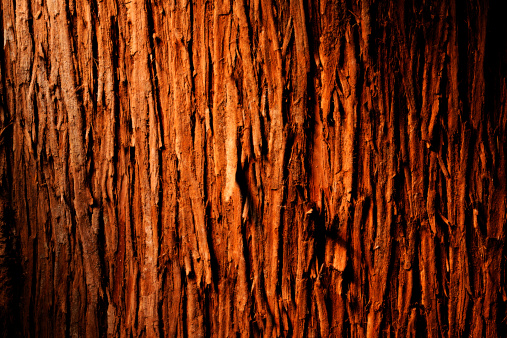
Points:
point(253, 168)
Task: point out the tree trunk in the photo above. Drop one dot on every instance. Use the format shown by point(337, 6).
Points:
point(253, 168)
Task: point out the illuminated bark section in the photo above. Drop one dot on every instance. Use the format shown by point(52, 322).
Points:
point(253, 168)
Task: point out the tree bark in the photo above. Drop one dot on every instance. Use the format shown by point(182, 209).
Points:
point(253, 168)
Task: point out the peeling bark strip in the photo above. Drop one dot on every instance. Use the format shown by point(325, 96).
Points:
point(253, 168)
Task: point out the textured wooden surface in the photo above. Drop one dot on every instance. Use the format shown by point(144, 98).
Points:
point(253, 168)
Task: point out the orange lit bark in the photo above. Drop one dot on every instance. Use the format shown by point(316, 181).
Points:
point(253, 168)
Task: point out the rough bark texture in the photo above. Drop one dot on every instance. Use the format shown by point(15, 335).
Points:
point(253, 168)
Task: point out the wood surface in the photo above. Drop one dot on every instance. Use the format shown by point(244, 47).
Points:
point(253, 168)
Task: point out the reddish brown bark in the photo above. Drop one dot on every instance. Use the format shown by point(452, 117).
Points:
point(253, 168)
